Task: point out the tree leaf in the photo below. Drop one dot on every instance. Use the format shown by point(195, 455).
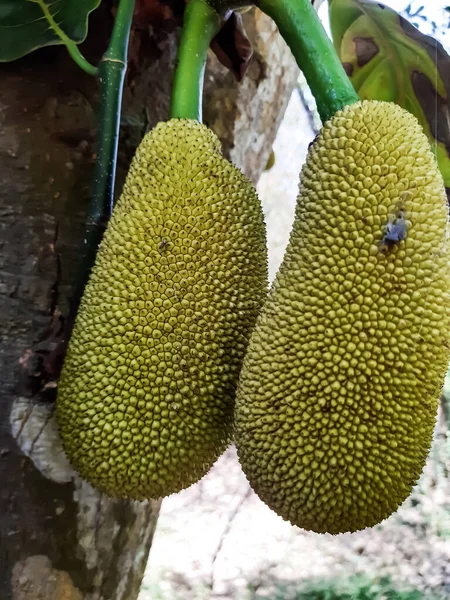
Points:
point(387, 58)
point(24, 26)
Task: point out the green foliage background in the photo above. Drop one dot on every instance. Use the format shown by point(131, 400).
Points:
point(24, 24)
point(388, 59)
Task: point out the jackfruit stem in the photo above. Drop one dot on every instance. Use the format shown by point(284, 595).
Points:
point(111, 74)
point(314, 52)
point(201, 24)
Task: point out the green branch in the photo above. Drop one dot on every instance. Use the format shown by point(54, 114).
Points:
point(71, 46)
point(314, 52)
point(201, 24)
point(111, 78)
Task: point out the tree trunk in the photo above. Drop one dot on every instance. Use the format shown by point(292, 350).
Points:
point(59, 538)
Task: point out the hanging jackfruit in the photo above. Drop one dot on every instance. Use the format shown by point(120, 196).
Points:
point(145, 399)
point(340, 385)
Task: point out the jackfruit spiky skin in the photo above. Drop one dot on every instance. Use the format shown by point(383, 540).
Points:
point(339, 389)
point(146, 395)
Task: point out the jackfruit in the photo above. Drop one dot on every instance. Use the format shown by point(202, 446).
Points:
point(340, 384)
point(145, 399)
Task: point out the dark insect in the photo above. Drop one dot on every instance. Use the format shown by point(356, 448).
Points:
point(395, 230)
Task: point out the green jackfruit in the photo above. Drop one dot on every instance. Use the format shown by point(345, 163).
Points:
point(146, 395)
point(340, 385)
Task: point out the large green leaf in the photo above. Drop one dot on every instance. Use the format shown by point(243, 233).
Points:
point(26, 25)
point(387, 58)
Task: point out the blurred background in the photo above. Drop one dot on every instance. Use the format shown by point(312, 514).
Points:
point(217, 540)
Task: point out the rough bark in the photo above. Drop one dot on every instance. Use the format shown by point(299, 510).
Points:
point(59, 538)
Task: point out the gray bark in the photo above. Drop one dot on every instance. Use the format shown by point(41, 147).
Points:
point(59, 538)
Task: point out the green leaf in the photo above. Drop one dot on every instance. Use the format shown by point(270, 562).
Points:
point(26, 25)
point(387, 58)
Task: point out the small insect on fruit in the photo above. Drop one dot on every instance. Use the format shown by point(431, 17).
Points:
point(395, 230)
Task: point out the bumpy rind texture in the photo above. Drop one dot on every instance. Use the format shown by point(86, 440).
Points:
point(339, 389)
point(146, 395)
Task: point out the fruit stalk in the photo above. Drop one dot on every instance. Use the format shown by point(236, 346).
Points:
point(314, 52)
point(201, 24)
point(111, 73)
